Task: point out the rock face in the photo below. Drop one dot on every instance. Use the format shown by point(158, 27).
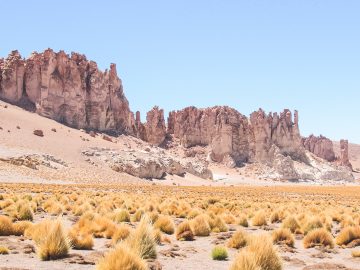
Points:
point(154, 130)
point(320, 146)
point(343, 160)
point(224, 128)
point(154, 163)
point(68, 89)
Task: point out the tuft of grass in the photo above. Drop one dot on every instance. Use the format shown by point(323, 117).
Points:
point(121, 216)
point(81, 241)
point(292, 224)
point(238, 240)
point(51, 241)
point(245, 260)
point(347, 235)
point(219, 253)
point(242, 221)
point(20, 227)
point(121, 258)
point(283, 236)
point(121, 233)
point(142, 241)
point(6, 226)
point(25, 213)
point(313, 224)
point(260, 254)
point(200, 226)
point(165, 224)
point(318, 237)
point(183, 231)
point(355, 253)
point(259, 219)
point(4, 250)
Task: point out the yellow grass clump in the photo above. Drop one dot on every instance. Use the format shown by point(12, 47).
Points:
point(355, 253)
point(183, 231)
point(81, 241)
point(238, 240)
point(121, 258)
point(347, 235)
point(318, 237)
point(4, 250)
point(259, 219)
point(165, 224)
point(200, 226)
point(6, 226)
point(292, 224)
point(121, 233)
point(283, 236)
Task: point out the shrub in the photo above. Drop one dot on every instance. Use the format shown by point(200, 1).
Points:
point(200, 226)
point(20, 227)
point(347, 235)
point(312, 224)
point(142, 241)
point(122, 216)
point(245, 260)
point(283, 236)
point(25, 213)
point(183, 231)
point(121, 258)
point(81, 241)
point(242, 221)
point(51, 241)
point(355, 253)
point(219, 253)
point(4, 250)
point(121, 233)
point(238, 240)
point(292, 224)
point(318, 237)
point(259, 219)
point(165, 224)
point(6, 226)
point(138, 215)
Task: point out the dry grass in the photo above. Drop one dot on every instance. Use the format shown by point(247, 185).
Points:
point(121, 258)
point(6, 226)
point(165, 224)
point(259, 219)
point(200, 226)
point(245, 260)
point(292, 224)
point(355, 253)
point(183, 231)
point(318, 237)
point(219, 253)
point(347, 235)
point(285, 236)
point(4, 250)
point(238, 240)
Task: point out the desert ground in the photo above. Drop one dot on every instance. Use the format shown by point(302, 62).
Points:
point(62, 209)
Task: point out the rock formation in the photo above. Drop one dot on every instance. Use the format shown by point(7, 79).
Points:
point(68, 89)
point(154, 130)
point(223, 128)
point(343, 160)
point(320, 146)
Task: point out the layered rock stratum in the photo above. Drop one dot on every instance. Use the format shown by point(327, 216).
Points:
point(72, 90)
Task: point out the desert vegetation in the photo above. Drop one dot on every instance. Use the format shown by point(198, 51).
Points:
point(139, 226)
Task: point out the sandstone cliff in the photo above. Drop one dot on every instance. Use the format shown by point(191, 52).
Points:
point(320, 146)
point(68, 89)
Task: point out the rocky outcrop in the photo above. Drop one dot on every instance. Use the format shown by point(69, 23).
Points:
point(343, 160)
point(154, 130)
point(320, 146)
point(279, 130)
point(154, 163)
point(68, 89)
point(224, 128)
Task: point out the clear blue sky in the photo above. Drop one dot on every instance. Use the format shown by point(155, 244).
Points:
point(296, 54)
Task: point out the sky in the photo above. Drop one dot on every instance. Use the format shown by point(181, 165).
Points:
point(295, 54)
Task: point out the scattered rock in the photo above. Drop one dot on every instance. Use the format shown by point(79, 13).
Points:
point(38, 132)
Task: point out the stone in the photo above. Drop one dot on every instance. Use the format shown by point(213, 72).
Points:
point(320, 146)
point(38, 132)
point(343, 160)
point(68, 89)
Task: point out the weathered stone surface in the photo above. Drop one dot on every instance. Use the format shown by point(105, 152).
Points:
point(224, 128)
point(154, 130)
point(343, 160)
point(149, 164)
point(320, 146)
point(68, 89)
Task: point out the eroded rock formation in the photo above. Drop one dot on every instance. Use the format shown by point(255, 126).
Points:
point(68, 89)
point(343, 160)
point(320, 146)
